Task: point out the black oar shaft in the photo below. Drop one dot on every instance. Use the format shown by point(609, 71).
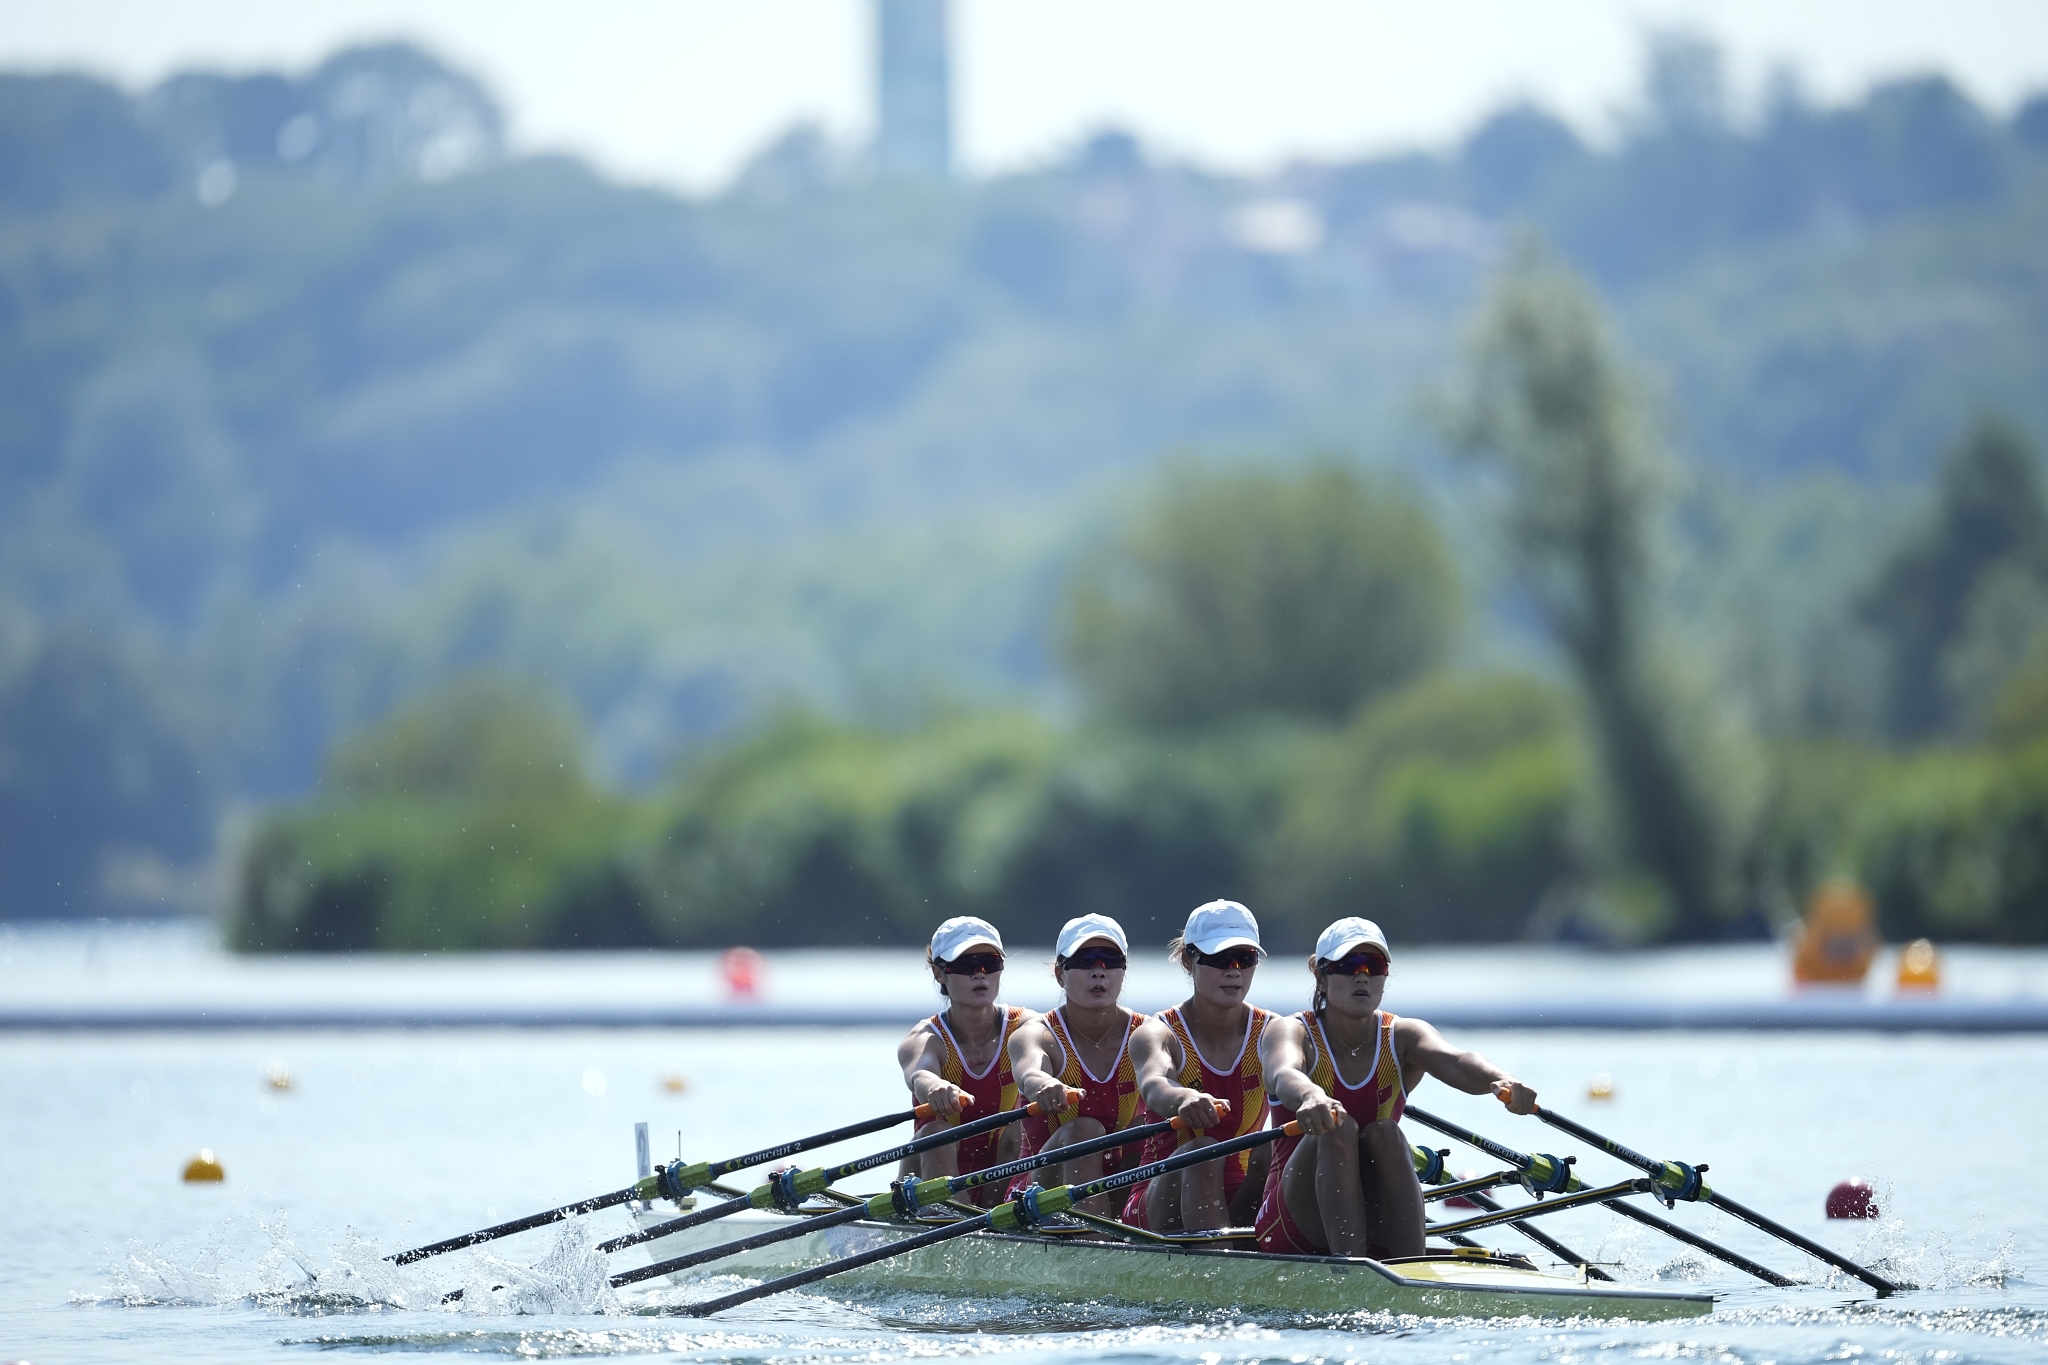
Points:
point(1693, 1239)
point(535, 1220)
point(702, 1175)
point(800, 1278)
point(1721, 1201)
point(1806, 1244)
point(1515, 1158)
point(1558, 1205)
point(951, 1185)
point(761, 1197)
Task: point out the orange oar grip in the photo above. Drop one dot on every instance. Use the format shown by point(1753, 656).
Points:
point(923, 1111)
point(1292, 1128)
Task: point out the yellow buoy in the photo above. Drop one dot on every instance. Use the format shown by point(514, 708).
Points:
point(1838, 938)
point(1919, 967)
point(277, 1075)
point(1602, 1087)
point(204, 1169)
point(673, 1082)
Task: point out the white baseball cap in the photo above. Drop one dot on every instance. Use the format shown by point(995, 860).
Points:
point(1349, 934)
point(960, 933)
point(1082, 928)
point(1219, 925)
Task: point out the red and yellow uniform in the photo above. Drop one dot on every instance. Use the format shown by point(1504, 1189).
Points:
point(993, 1088)
point(1110, 1100)
point(1379, 1096)
point(1241, 1083)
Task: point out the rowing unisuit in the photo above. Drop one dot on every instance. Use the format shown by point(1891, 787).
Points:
point(993, 1087)
point(1379, 1095)
point(1241, 1082)
point(1110, 1100)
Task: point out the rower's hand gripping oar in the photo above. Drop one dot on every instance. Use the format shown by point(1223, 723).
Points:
point(1676, 1180)
point(787, 1189)
point(675, 1176)
point(903, 1200)
point(1522, 1160)
point(1021, 1213)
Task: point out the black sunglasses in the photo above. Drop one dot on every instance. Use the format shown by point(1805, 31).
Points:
point(973, 964)
point(1352, 964)
point(1239, 959)
point(1089, 958)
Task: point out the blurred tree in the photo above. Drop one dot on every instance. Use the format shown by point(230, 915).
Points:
point(1550, 405)
point(96, 764)
point(480, 736)
point(1255, 593)
point(1444, 812)
point(1983, 546)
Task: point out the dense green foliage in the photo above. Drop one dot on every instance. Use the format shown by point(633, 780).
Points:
point(319, 401)
point(1250, 594)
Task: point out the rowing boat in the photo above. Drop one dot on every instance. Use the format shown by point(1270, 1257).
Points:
point(1041, 1265)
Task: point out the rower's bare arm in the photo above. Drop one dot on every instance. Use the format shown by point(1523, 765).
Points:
point(1031, 1065)
point(920, 1054)
point(1283, 1054)
point(1423, 1046)
point(1156, 1058)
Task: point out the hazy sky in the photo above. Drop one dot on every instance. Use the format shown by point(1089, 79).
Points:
point(681, 91)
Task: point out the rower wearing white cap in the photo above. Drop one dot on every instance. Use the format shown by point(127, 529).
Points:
point(959, 1059)
point(1199, 1061)
point(1083, 1045)
point(1347, 1185)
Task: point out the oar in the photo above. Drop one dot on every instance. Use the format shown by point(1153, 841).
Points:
point(1523, 1161)
point(789, 1188)
point(1605, 1194)
point(902, 1202)
point(1677, 1180)
point(670, 1182)
point(1429, 1168)
point(1019, 1214)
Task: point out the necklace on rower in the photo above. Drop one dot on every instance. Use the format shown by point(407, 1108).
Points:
point(1095, 1041)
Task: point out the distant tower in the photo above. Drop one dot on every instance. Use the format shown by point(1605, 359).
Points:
point(914, 135)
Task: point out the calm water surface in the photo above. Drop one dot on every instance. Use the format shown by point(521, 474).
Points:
point(386, 1140)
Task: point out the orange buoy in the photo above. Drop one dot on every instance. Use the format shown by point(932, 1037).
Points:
point(204, 1169)
point(1602, 1087)
point(1851, 1199)
point(1838, 938)
point(742, 970)
point(1919, 966)
point(674, 1082)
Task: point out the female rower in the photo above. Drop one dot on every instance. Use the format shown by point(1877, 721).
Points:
point(1083, 1045)
point(1224, 1098)
point(1347, 1186)
point(960, 1057)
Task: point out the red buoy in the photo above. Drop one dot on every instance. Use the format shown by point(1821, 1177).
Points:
point(742, 969)
point(1851, 1199)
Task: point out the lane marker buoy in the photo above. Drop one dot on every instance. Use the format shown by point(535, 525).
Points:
point(1852, 1199)
point(204, 1169)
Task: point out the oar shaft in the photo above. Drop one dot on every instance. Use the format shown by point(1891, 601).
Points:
point(882, 1206)
point(692, 1177)
point(800, 1278)
point(763, 1196)
point(1693, 1239)
point(1660, 1169)
point(1558, 1205)
point(535, 1220)
point(1543, 1172)
point(1805, 1244)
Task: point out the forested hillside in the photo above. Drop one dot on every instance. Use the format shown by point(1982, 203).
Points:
point(316, 398)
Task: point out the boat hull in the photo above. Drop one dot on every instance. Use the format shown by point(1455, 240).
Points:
point(992, 1264)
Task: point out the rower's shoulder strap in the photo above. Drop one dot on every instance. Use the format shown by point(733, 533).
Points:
point(1255, 1032)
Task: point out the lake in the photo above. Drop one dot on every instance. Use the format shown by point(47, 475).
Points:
point(389, 1138)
